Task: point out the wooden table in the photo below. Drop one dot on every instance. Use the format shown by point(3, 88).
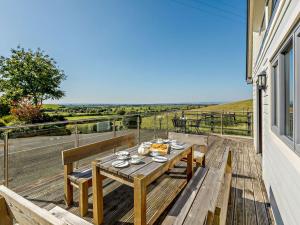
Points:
point(136, 176)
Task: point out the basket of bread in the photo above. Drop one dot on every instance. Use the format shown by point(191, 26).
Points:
point(161, 149)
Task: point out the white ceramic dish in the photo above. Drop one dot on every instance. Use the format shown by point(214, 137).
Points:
point(122, 153)
point(123, 157)
point(120, 163)
point(154, 154)
point(160, 159)
point(135, 161)
point(176, 146)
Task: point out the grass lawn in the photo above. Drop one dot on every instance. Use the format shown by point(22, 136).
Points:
point(245, 105)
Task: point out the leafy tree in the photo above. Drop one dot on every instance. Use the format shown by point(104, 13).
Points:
point(30, 74)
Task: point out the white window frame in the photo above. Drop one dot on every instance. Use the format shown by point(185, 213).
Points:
point(290, 142)
point(275, 104)
point(297, 89)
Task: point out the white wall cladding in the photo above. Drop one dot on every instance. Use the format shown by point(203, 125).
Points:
point(281, 165)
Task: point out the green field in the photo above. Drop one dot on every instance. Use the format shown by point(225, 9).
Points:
point(245, 105)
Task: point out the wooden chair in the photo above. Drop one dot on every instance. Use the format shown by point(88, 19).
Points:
point(14, 209)
point(205, 199)
point(82, 178)
point(200, 142)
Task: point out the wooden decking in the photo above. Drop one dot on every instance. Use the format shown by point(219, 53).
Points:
point(248, 201)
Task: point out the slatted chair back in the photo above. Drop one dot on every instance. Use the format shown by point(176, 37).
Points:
point(72, 155)
point(15, 207)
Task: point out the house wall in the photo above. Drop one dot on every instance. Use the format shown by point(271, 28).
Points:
point(281, 165)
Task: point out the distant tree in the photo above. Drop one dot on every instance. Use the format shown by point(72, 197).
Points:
point(121, 112)
point(29, 74)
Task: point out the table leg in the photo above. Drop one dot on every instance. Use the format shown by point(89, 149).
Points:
point(97, 194)
point(140, 193)
point(190, 160)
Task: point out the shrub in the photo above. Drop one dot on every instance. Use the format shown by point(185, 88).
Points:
point(4, 108)
point(26, 112)
point(87, 128)
point(121, 112)
point(8, 119)
point(2, 123)
point(131, 121)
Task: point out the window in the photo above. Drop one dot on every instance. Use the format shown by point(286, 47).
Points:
point(289, 93)
point(275, 94)
point(285, 93)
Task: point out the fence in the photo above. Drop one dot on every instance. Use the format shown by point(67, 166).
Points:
point(33, 152)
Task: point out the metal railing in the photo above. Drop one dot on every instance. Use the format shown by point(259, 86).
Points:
point(32, 152)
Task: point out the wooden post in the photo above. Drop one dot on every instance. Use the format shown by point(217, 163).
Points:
point(140, 193)
point(97, 194)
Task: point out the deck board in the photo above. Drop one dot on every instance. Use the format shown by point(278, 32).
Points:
point(248, 203)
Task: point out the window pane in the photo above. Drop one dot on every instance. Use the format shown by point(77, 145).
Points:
point(289, 93)
point(275, 95)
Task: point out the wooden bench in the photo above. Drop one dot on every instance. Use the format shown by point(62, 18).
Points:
point(200, 142)
point(14, 209)
point(205, 199)
point(82, 178)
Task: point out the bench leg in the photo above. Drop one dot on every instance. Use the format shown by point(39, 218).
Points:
point(139, 200)
point(97, 194)
point(83, 198)
point(5, 215)
point(68, 188)
point(190, 161)
point(200, 162)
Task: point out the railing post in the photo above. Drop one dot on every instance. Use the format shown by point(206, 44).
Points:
point(114, 131)
point(76, 144)
point(138, 128)
point(221, 123)
point(167, 118)
point(248, 124)
point(5, 169)
point(154, 123)
point(212, 122)
point(114, 128)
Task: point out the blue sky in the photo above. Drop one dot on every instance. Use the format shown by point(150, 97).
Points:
point(136, 51)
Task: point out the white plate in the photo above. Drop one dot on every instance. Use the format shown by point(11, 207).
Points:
point(120, 163)
point(122, 153)
point(160, 159)
point(135, 161)
point(123, 157)
point(177, 147)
